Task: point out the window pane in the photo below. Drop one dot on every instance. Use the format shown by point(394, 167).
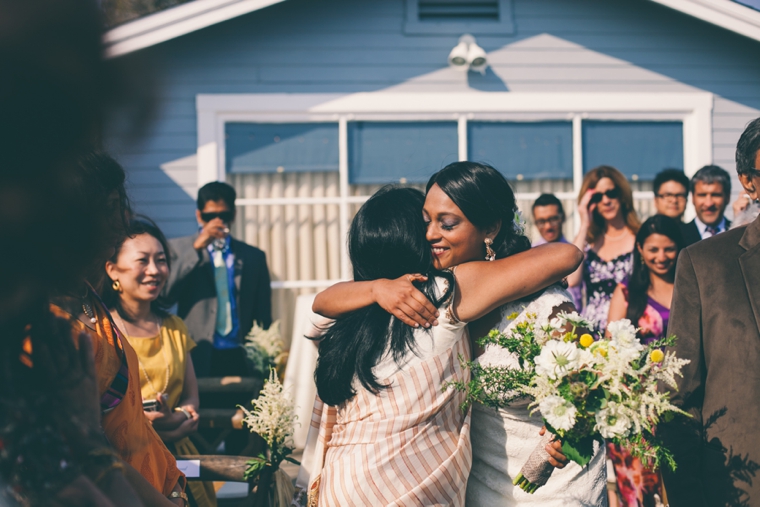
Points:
point(639, 149)
point(386, 152)
point(281, 147)
point(542, 150)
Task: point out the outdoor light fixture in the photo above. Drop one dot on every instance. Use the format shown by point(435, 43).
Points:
point(467, 55)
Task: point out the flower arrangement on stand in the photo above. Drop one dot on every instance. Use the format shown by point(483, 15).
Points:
point(273, 418)
point(265, 349)
point(585, 390)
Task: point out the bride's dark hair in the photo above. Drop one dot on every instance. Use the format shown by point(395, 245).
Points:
point(386, 240)
point(485, 198)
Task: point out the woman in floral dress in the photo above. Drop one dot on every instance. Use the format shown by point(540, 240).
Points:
point(607, 235)
point(644, 299)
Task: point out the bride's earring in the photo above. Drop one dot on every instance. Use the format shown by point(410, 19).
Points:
point(490, 254)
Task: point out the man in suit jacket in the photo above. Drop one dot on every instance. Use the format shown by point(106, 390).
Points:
point(715, 314)
point(710, 193)
point(220, 284)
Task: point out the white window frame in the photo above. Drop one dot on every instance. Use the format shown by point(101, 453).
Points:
point(214, 111)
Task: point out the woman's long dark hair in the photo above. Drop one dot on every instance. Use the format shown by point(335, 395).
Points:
point(386, 240)
point(638, 283)
point(485, 198)
point(137, 225)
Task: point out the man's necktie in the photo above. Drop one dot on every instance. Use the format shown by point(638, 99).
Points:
point(711, 230)
point(223, 307)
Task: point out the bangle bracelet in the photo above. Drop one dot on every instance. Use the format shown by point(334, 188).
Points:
point(187, 414)
point(180, 494)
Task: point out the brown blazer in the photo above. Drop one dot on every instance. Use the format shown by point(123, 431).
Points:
point(716, 316)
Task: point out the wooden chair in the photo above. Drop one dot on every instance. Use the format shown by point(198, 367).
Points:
point(231, 469)
point(217, 416)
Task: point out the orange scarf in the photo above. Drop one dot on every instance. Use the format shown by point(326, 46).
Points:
point(126, 428)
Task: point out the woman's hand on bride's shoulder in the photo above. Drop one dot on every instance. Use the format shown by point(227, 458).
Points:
point(404, 301)
point(554, 448)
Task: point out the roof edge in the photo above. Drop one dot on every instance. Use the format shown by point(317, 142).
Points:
point(198, 14)
point(175, 22)
point(723, 13)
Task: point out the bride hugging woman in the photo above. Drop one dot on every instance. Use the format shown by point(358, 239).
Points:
point(391, 435)
point(469, 212)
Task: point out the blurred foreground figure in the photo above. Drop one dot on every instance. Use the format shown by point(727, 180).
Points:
point(55, 86)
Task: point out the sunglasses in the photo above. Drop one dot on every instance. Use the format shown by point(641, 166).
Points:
point(224, 216)
point(612, 193)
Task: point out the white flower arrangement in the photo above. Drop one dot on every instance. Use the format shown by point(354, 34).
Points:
point(264, 347)
point(273, 418)
point(586, 390)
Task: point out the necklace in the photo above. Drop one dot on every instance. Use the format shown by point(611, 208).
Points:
point(142, 366)
point(616, 237)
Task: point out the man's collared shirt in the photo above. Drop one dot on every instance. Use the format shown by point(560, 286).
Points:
point(702, 228)
point(229, 341)
point(542, 241)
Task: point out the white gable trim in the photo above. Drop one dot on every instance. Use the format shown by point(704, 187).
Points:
point(175, 22)
point(198, 14)
point(724, 13)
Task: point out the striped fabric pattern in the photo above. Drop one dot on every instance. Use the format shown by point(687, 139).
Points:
point(409, 445)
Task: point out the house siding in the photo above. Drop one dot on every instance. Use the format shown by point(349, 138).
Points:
point(348, 46)
point(345, 46)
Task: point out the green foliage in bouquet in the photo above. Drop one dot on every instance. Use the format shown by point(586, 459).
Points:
point(498, 386)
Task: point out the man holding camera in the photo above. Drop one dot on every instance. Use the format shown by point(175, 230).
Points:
point(220, 284)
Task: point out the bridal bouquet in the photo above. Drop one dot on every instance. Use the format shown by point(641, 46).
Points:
point(585, 390)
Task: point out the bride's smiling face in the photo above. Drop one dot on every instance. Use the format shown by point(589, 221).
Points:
point(453, 239)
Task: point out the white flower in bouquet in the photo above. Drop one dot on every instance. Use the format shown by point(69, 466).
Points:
point(624, 334)
point(557, 359)
point(542, 332)
point(574, 319)
point(613, 421)
point(558, 412)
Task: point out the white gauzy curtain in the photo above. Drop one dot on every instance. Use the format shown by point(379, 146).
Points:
point(303, 242)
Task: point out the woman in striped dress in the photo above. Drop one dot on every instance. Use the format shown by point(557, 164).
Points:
point(390, 433)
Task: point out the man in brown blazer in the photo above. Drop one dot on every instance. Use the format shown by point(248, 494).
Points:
point(716, 316)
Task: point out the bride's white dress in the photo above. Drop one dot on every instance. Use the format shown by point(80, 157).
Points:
point(503, 439)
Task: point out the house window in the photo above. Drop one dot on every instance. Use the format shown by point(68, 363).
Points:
point(406, 152)
point(530, 151)
point(478, 17)
point(638, 149)
point(281, 147)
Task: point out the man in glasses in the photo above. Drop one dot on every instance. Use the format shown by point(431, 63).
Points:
point(710, 193)
point(220, 284)
point(549, 218)
point(671, 188)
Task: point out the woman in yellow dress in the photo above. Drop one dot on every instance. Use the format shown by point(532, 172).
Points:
point(138, 271)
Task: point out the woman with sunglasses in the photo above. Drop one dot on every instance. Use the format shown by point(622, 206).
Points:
point(607, 235)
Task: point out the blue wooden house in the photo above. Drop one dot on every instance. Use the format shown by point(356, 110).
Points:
point(307, 106)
